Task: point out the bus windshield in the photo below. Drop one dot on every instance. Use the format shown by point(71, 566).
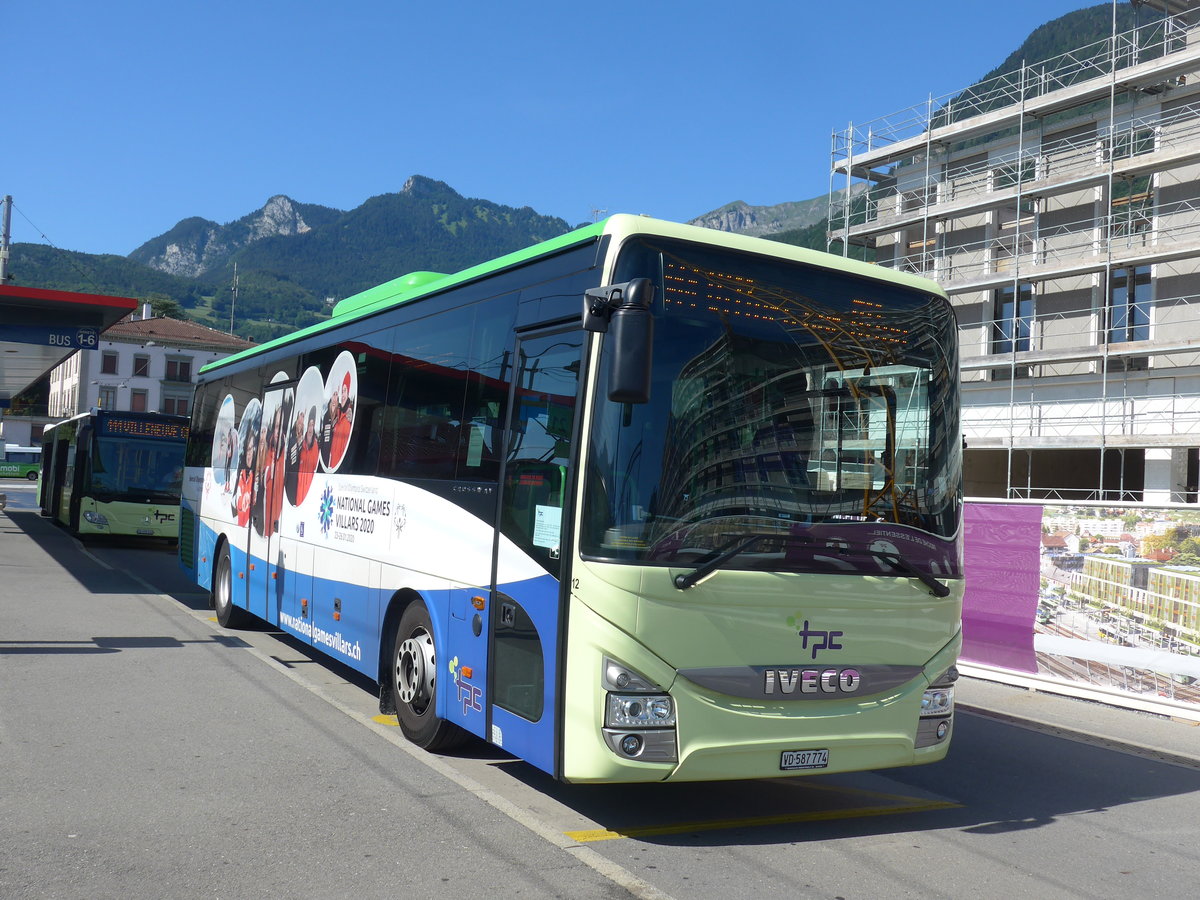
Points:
point(800, 419)
point(136, 470)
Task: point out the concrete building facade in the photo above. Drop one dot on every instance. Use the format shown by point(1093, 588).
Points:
point(1059, 206)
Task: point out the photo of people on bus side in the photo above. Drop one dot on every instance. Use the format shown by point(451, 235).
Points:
point(304, 452)
point(337, 420)
point(268, 498)
point(226, 447)
point(247, 469)
point(282, 441)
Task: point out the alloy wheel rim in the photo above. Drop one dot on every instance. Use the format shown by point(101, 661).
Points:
point(415, 671)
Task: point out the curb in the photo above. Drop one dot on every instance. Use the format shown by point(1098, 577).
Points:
point(1081, 736)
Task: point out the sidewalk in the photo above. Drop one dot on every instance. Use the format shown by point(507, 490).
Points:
point(1100, 724)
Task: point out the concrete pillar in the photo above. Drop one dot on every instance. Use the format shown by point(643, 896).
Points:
point(1166, 475)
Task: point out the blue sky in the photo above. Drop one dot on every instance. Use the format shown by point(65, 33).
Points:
point(121, 118)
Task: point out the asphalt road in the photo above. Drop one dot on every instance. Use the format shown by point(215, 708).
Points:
point(19, 494)
point(147, 752)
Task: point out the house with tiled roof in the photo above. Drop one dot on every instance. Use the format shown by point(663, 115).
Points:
point(1054, 544)
point(144, 363)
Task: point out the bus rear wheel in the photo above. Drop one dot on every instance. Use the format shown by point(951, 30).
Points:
point(414, 683)
point(32, 476)
point(228, 615)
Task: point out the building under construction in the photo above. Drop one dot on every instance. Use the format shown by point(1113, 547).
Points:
point(1059, 205)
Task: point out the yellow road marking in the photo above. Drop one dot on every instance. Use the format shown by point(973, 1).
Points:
point(600, 834)
point(386, 720)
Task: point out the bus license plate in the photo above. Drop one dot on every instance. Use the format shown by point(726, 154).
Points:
point(149, 531)
point(804, 759)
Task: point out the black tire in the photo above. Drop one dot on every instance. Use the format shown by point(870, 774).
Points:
point(228, 615)
point(414, 683)
point(32, 476)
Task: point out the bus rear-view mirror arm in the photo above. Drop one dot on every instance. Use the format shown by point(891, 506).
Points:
point(623, 312)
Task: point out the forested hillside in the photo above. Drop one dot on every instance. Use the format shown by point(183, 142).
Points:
point(295, 260)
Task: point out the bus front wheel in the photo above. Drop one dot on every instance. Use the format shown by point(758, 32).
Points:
point(414, 683)
point(228, 615)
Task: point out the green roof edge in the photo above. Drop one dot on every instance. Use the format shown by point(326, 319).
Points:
point(398, 290)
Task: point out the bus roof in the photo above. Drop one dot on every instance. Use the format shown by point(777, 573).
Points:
point(417, 285)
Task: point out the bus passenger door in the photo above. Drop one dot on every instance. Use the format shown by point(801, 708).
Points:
point(291, 605)
point(264, 561)
point(530, 563)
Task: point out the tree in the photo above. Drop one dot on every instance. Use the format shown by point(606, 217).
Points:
point(1157, 542)
point(1179, 534)
point(162, 305)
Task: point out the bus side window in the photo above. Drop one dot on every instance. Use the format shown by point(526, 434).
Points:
point(530, 486)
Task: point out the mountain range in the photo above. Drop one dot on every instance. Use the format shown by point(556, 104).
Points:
point(293, 259)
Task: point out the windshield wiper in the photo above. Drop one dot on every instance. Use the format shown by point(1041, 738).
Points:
point(898, 562)
point(720, 556)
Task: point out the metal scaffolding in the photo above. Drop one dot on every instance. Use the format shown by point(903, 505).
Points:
point(1059, 206)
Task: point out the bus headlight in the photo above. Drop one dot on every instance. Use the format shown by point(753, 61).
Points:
point(639, 716)
point(937, 701)
point(639, 711)
point(95, 518)
point(936, 719)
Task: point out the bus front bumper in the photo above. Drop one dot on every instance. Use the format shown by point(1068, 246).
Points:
point(721, 737)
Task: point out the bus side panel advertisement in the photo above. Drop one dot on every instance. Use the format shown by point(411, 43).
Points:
point(283, 490)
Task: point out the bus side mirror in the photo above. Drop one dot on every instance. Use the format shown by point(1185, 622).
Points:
point(623, 311)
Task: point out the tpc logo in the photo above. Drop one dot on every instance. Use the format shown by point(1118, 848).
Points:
point(821, 640)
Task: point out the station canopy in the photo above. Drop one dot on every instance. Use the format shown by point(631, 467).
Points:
point(39, 328)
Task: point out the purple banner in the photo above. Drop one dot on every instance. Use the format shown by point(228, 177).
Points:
point(1001, 558)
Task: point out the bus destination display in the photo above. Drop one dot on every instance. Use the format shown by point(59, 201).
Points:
point(142, 428)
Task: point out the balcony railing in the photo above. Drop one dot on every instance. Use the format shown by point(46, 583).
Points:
point(1090, 419)
point(1030, 82)
point(1035, 171)
point(1135, 228)
point(1076, 333)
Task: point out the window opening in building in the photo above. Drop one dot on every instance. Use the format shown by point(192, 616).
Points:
point(1128, 314)
point(1132, 206)
point(175, 405)
point(1012, 325)
point(179, 370)
point(1013, 319)
point(1129, 305)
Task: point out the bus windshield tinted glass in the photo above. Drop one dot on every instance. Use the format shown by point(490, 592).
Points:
point(136, 470)
point(813, 408)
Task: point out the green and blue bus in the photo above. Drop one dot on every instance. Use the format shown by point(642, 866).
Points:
point(17, 461)
point(114, 473)
point(643, 502)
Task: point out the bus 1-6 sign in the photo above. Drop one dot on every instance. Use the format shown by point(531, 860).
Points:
point(81, 339)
